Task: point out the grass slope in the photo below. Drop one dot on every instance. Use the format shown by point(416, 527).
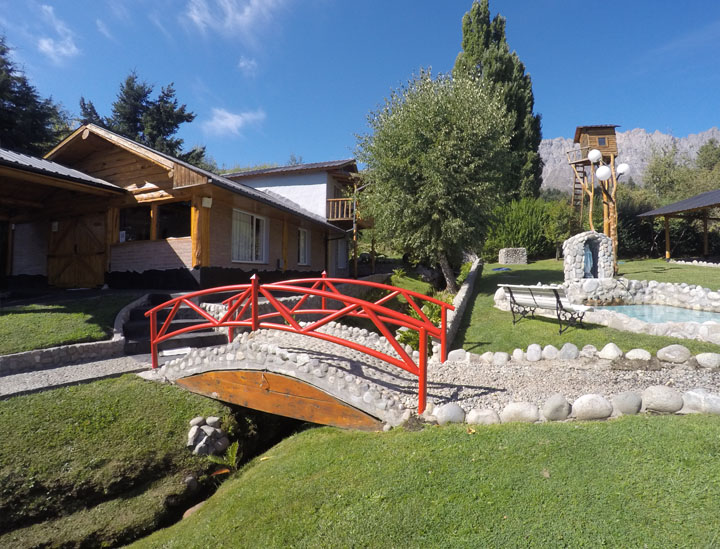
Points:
point(486, 328)
point(39, 326)
point(101, 461)
point(634, 482)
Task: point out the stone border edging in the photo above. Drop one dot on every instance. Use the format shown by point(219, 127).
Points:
point(606, 291)
point(42, 359)
point(659, 399)
point(461, 300)
point(695, 262)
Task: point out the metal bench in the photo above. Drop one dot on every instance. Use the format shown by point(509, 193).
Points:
point(525, 300)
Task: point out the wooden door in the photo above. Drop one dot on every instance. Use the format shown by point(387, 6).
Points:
point(76, 253)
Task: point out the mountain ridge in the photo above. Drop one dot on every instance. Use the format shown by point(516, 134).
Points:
point(635, 147)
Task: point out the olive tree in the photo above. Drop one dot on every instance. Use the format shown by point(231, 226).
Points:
point(437, 158)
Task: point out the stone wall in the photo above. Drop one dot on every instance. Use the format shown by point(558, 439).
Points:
point(461, 300)
point(512, 256)
point(621, 291)
point(575, 250)
point(40, 359)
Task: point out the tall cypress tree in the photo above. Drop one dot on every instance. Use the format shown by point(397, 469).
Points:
point(485, 53)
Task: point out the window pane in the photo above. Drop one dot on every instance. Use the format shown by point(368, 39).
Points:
point(259, 239)
point(173, 220)
point(242, 236)
point(134, 224)
point(302, 247)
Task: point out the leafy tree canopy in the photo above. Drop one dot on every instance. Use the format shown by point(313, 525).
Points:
point(708, 157)
point(437, 160)
point(152, 122)
point(486, 54)
point(28, 123)
point(672, 177)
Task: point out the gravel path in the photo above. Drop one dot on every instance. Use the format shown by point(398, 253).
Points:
point(28, 382)
point(472, 385)
point(487, 386)
point(482, 385)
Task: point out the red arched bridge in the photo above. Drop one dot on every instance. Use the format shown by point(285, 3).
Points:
point(319, 302)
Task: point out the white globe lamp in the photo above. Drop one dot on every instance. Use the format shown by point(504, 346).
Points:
point(603, 173)
point(623, 169)
point(594, 156)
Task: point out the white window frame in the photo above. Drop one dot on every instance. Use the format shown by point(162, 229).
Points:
point(304, 250)
point(254, 237)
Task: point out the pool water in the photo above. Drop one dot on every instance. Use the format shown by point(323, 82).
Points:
point(657, 314)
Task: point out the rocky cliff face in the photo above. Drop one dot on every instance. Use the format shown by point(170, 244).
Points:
point(634, 147)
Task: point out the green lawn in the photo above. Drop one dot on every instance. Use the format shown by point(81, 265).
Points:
point(486, 328)
point(101, 462)
point(634, 482)
point(72, 320)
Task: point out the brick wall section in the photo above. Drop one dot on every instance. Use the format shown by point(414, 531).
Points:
point(221, 237)
point(144, 255)
point(30, 248)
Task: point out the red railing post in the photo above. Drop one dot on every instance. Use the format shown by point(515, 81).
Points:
point(231, 329)
point(324, 288)
point(153, 342)
point(443, 336)
point(422, 371)
point(254, 302)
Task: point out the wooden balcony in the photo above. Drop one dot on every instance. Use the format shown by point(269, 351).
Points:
point(340, 212)
point(578, 156)
point(340, 209)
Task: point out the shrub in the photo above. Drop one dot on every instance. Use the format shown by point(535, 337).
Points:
point(524, 223)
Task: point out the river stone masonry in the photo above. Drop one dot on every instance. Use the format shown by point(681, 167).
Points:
point(619, 291)
point(512, 256)
point(205, 436)
point(590, 243)
point(383, 391)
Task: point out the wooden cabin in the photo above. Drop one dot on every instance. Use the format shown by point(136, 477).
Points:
point(136, 217)
point(600, 137)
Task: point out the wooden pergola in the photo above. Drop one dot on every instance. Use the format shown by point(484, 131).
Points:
point(695, 207)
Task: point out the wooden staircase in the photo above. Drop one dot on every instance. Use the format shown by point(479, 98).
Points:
point(578, 191)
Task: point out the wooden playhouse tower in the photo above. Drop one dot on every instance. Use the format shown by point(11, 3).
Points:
point(588, 174)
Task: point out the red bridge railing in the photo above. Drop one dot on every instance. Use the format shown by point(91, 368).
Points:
point(243, 312)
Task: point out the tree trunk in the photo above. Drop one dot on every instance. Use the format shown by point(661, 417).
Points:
point(448, 273)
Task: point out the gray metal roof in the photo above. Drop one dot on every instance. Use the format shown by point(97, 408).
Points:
point(698, 202)
point(273, 200)
point(314, 166)
point(53, 169)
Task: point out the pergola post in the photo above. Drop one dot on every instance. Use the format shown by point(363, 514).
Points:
point(667, 237)
point(705, 234)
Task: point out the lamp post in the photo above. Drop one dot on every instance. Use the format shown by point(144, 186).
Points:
point(608, 176)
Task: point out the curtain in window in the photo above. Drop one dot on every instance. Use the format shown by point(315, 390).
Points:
point(242, 237)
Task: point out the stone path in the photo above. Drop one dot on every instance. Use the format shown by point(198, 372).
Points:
point(28, 382)
point(380, 388)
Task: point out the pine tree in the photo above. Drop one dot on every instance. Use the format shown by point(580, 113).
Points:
point(28, 123)
point(486, 54)
point(152, 122)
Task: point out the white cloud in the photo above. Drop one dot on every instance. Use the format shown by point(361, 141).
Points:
point(224, 122)
point(57, 49)
point(247, 65)
point(156, 19)
point(238, 17)
point(102, 28)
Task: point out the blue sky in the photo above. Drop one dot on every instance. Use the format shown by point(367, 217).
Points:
point(271, 78)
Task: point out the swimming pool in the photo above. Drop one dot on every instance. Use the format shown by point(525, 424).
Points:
point(657, 314)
